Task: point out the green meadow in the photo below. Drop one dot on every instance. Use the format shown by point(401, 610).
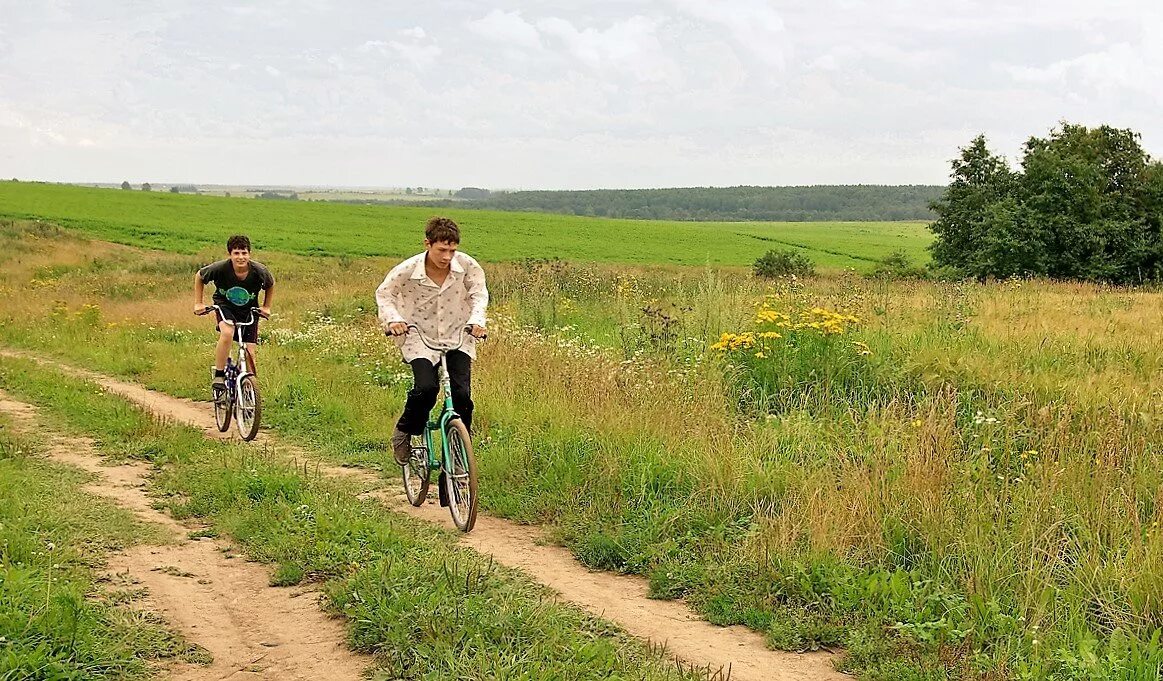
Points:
point(942, 480)
point(188, 224)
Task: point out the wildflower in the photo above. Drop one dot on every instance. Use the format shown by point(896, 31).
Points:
point(733, 341)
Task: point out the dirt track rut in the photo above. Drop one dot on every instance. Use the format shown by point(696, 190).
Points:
point(619, 598)
point(225, 605)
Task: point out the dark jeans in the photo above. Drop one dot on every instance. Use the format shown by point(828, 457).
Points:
point(422, 396)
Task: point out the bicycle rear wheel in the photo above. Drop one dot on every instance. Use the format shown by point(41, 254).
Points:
point(460, 482)
point(416, 472)
point(248, 408)
point(222, 408)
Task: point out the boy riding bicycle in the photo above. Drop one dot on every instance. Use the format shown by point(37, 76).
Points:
point(441, 292)
point(237, 281)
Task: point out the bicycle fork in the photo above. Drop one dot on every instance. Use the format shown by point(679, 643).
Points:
point(447, 413)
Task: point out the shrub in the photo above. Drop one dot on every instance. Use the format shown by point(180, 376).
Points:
point(774, 264)
point(897, 265)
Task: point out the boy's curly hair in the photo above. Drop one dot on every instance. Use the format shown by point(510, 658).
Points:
point(442, 229)
point(237, 242)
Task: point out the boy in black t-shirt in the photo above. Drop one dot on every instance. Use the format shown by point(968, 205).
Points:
point(237, 281)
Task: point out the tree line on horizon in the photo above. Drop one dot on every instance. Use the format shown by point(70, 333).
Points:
point(833, 203)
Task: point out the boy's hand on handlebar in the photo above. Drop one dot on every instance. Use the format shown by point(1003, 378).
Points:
point(201, 309)
point(397, 328)
point(477, 331)
point(265, 312)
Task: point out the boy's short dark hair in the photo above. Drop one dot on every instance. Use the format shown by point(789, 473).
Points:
point(237, 242)
point(442, 229)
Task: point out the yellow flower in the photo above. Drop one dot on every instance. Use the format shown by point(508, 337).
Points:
point(733, 341)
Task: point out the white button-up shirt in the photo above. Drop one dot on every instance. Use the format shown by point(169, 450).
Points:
point(440, 311)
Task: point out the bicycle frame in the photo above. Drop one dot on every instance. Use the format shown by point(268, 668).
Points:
point(455, 461)
point(447, 411)
point(236, 372)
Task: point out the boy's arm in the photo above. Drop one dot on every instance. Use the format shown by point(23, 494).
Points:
point(199, 292)
point(268, 288)
point(268, 297)
point(386, 296)
point(478, 295)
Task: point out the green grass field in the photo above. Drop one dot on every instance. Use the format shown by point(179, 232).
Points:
point(186, 223)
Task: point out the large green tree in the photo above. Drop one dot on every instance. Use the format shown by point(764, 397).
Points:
point(1085, 204)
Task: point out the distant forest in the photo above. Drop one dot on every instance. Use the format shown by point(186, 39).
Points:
point(794, 204)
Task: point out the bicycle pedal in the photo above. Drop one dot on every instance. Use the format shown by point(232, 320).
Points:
point(443, 491)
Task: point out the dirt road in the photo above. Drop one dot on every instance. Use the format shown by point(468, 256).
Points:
point(618, 598)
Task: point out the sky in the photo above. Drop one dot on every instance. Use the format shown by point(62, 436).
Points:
point(557, 94)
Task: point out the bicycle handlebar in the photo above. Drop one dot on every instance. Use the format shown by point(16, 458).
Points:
point(253, 311)
point(464, 333)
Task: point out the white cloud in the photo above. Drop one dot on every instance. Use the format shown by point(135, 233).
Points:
point(630, 45)
point(1118, 68)
point(555, 94)
point(506, 28)
point(420, 56)
point(755, 26)
point(412, 48)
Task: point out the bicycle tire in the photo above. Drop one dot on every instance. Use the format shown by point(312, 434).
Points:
point(223, 409)
point(416, 475)
point(248, 399)
point(461, 481)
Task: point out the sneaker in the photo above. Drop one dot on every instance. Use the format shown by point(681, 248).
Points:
point(218, 384)
point(401, 446)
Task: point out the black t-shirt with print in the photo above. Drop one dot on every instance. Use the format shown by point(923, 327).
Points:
point(234, 293)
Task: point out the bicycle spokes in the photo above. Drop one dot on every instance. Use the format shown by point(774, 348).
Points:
point(248, 406)
point(416, 472)
point(460, 477)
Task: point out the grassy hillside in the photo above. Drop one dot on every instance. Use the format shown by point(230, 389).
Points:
point(185, 223)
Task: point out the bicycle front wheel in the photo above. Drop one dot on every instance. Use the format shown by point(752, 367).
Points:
point(416, 472)
point(222, 409)
point(248, 408)
point(460, 477)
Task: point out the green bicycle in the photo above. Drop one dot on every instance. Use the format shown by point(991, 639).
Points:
point(457, 466)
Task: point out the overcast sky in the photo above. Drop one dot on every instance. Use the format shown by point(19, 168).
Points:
point(556, 94)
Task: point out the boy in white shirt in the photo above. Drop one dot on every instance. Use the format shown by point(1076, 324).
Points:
point(440, 291)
